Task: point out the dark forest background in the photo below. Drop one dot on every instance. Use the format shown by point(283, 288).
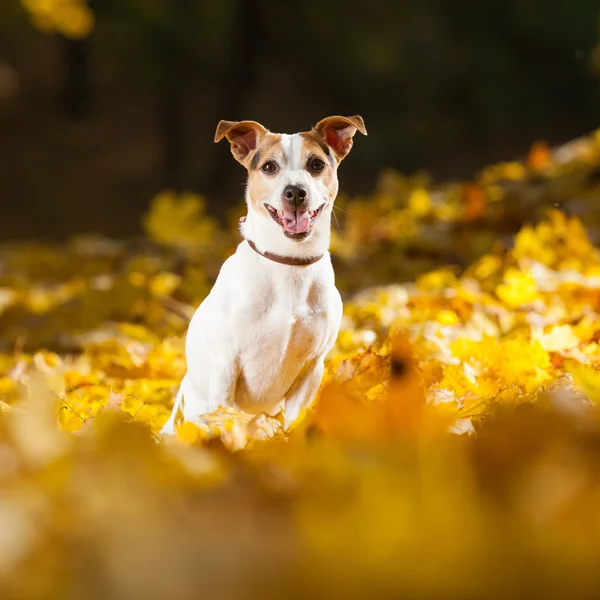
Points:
point(92, 129)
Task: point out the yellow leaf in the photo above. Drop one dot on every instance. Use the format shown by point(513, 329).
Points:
point(180, 221)
point(587, 379)
point(164, 284)
point(519, 288)
point(447, 317)
point(558, 339)
point(131, 405)
point(189, 433)
point(419, 202)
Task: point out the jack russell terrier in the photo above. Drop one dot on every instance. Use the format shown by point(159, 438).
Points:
point(259, 340)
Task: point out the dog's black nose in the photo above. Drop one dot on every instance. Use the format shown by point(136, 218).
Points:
point(294, 194)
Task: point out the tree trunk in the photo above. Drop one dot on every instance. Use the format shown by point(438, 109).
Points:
point(76, 83)
point(248, 40)
point(171, 110)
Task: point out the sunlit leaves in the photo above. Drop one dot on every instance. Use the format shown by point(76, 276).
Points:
point(180, 221)
point(71, 18)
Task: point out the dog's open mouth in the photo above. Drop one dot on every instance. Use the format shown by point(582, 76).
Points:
point(296, 224)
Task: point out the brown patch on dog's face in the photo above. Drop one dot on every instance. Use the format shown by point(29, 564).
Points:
point(260, 178)
point(264, 152)
point(320, 162)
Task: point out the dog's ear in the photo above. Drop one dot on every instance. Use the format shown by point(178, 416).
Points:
point(244, 137)
point(338, 132)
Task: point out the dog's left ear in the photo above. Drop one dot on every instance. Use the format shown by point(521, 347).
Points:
point(244, 137)
point(339, 131)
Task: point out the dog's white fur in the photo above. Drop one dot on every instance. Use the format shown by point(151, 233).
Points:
point(259, 340)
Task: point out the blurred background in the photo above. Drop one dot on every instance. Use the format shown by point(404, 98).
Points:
point(106, 103)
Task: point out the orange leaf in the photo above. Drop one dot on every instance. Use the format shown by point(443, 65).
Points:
point(539, 157)
point(475, 201)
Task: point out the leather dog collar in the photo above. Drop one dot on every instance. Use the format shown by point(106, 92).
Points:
point(291, 261)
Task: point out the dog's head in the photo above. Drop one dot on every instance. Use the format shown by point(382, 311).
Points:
point(292, 179)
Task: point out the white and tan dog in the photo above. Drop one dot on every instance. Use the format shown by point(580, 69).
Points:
point(259, 339)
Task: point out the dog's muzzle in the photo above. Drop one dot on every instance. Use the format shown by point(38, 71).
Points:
point(296, 221)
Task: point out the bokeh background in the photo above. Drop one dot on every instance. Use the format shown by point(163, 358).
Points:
point(98, 115)
point(471, 302)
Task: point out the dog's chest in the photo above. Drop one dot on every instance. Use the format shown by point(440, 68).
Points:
point(292, 322)
point(293, 325)
point(292, 336)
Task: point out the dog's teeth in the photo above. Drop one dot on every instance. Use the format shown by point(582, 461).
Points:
point(280, 213)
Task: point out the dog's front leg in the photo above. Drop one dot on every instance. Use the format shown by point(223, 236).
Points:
point(222, 382)
point(194, 405)
point(302, 392)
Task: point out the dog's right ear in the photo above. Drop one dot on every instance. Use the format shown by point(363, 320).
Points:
point(244, 137)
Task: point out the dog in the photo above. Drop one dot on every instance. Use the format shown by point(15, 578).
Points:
point(259, 340)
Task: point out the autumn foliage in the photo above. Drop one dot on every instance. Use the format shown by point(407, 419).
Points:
point(71, 18)
point(452, 451)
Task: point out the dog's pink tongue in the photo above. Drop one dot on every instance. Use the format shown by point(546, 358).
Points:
point(296, 221)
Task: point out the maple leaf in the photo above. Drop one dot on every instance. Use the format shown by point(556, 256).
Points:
point(180, 221)
point(558, 339)
point(587, 379)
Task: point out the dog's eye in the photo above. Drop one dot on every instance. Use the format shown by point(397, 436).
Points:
point(269, 167)
point(316, 165)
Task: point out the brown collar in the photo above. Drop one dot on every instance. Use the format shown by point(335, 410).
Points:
point(292, 261)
